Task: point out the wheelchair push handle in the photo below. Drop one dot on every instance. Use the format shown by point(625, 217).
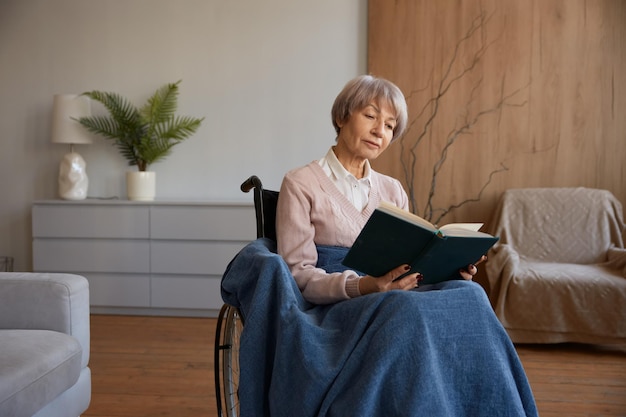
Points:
point(250, 183)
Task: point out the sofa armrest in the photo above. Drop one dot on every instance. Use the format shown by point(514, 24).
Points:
point(44, 301)
point(503, 263)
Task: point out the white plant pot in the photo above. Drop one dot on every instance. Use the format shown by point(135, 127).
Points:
point(141, 185)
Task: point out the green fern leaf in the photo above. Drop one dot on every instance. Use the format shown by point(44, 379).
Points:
point(146, 135)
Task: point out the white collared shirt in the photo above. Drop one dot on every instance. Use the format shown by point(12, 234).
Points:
point(357, 191)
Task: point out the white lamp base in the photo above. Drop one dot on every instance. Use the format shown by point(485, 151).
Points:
point(73, 181)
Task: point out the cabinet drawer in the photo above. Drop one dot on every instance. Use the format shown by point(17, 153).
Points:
point(205, 258)
point(203, 223)
point(119, 290)
point(195, 292)
point(91, 255)
point(91, 221)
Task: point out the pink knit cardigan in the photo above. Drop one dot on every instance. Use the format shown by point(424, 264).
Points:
point(312, 211)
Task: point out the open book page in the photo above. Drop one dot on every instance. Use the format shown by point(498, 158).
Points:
point(456, 228)
point(405, 215)
point(452, 229)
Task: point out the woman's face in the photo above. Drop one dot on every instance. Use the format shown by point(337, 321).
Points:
point(368, 131)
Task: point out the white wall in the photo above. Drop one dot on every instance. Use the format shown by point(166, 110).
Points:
point(264, 73)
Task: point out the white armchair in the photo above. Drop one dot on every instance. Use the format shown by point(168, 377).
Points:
point(558, 273)
point(44, 345)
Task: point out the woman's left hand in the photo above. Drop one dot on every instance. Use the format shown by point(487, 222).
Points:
point(471, 270)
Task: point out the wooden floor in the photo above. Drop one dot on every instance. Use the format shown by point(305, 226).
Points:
point(157, 366)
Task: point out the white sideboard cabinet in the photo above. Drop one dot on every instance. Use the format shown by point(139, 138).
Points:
point(158, 258)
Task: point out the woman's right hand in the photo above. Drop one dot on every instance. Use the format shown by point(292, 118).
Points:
point(390, 281)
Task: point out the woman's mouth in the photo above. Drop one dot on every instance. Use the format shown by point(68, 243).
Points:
point(372, 144)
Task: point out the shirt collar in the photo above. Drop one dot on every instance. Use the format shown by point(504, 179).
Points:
point(340, 172)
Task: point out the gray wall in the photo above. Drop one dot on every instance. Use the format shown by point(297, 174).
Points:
point(264, 73)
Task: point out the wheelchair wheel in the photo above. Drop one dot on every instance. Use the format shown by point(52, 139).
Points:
point(228, 332)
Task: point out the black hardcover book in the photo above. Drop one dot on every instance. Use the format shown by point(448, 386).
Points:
point(392, 237)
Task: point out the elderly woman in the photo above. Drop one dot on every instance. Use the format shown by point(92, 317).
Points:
point(326, 203)
point(333, 343)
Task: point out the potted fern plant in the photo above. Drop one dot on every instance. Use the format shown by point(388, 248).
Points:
point(143, 135)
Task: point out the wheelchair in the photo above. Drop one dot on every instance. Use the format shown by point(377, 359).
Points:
point(230, 322)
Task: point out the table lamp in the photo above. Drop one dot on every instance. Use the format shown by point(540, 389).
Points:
point(73, 181)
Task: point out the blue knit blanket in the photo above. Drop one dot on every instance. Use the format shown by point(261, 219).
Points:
point(437, 351)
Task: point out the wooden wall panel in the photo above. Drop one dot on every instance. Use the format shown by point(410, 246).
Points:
point(542, 84)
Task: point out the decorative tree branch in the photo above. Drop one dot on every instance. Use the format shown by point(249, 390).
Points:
point(429, 111)
point(433, 103)
point(453, 136)
point(443, 212)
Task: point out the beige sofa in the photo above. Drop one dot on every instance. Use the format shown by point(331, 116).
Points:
point(558, 273)
point(44, 345)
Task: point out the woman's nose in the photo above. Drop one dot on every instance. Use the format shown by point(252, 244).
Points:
point(379, 128)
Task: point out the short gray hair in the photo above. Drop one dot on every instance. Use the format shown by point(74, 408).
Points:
point(361, 91)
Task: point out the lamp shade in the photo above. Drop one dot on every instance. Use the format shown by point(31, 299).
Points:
point(66, 107)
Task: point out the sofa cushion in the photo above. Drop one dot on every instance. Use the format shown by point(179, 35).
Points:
point(35, 367)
